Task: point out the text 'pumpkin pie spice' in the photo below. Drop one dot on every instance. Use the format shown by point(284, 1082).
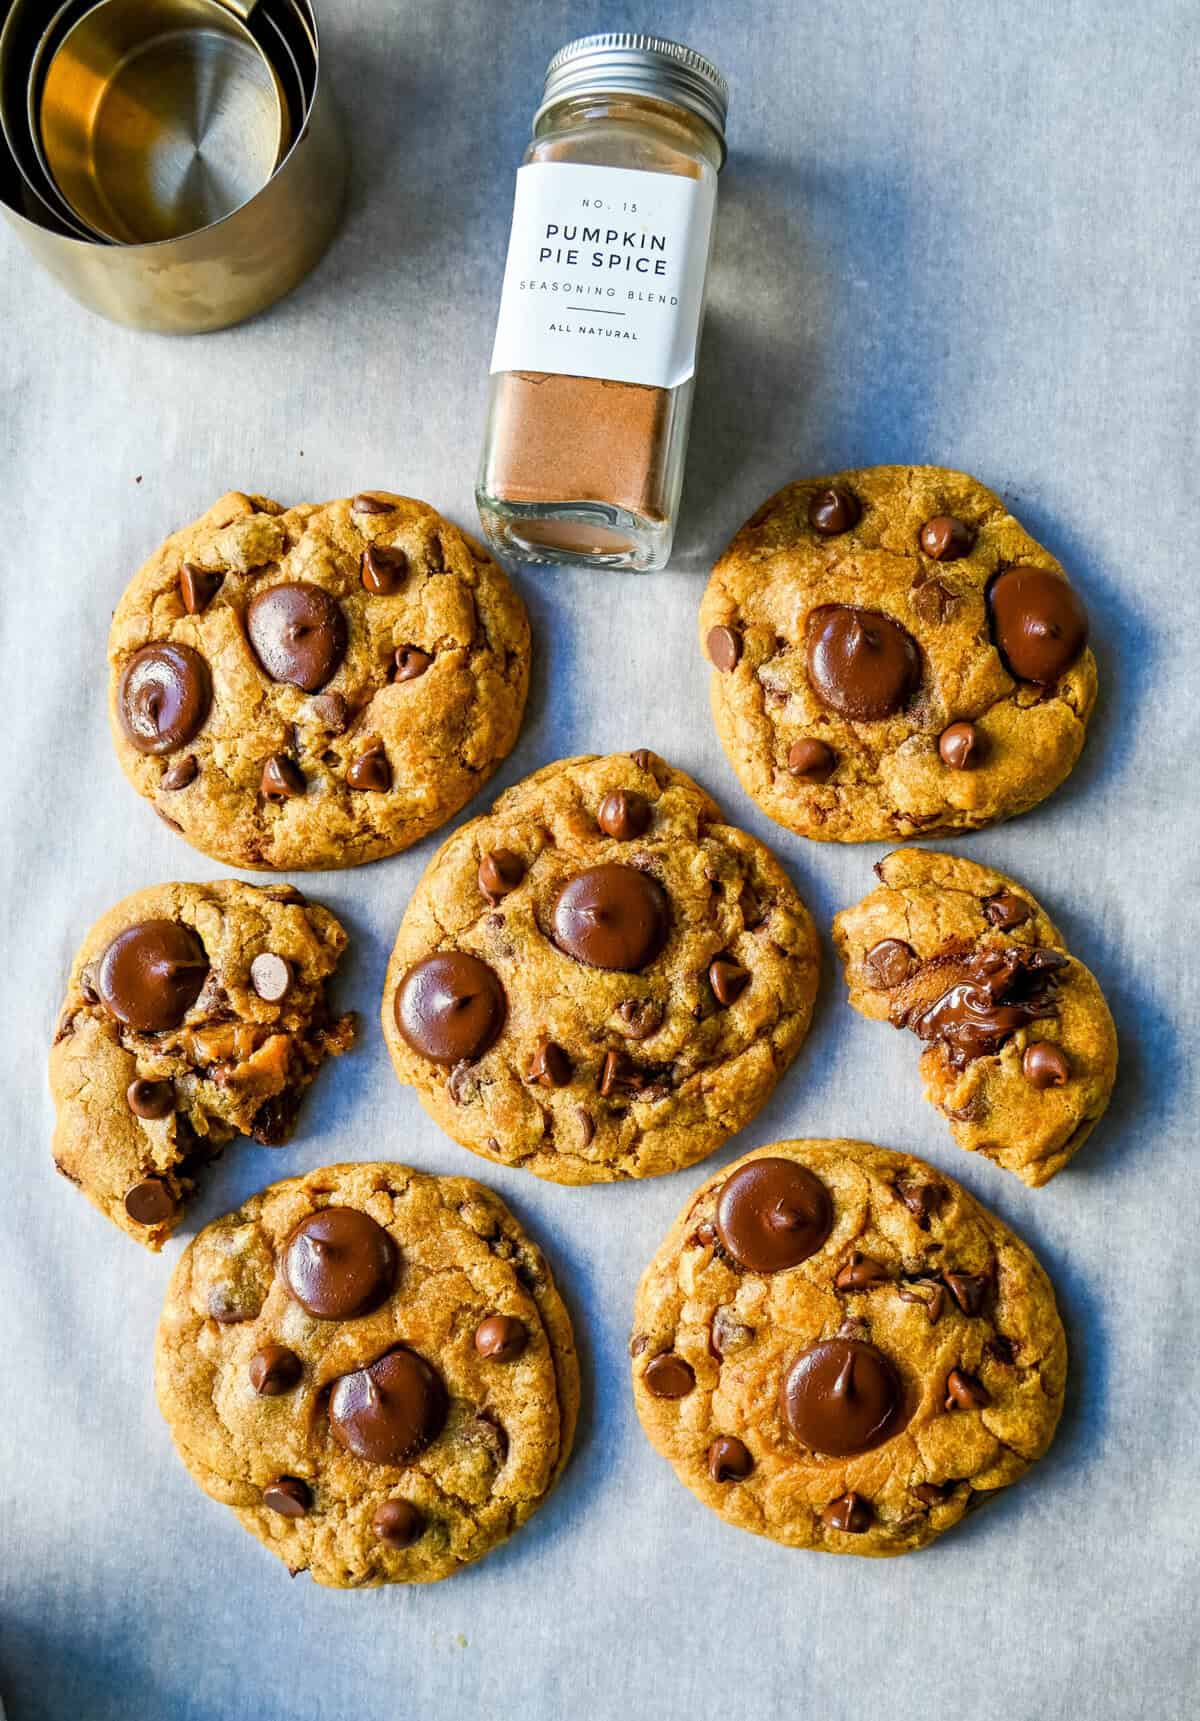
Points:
point(601, 978)
point(600, 312)
point(894, 656)
point(837, 1347)
point(1020, 1051)
point(373, 1368)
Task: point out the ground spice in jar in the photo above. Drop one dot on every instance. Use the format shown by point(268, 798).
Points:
point(593, 369)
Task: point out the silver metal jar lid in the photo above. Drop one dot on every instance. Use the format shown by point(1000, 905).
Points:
point(626, 62)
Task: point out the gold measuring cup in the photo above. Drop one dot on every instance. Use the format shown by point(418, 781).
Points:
point(157, 118)
point(234, 268)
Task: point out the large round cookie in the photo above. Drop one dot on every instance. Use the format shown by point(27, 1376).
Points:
point(1020, 1048)
point(373, 1368)
point(319, 686)
point(838, 1348)
point(193, 1013)
point(600, 978)
point(893, 655)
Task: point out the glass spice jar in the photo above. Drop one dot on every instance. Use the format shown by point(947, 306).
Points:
point(594, 360)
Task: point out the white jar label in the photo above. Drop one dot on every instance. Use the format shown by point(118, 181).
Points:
point(605, 273)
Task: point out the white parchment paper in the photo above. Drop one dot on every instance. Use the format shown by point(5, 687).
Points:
point(960, 233)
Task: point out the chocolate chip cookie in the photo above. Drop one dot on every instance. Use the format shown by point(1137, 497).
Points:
point(315, 687)
point(601, 978)
point(893, 656)
point(1020, 1049)
point(838, 1348)
point(194, 1013)
point(373, 1368)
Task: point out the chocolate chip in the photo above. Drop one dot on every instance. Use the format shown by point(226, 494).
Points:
point(946, 539)
point(861, 664)
point(1038, 624)
point(960, 746)
point(969, 1290)
point(500, 872)
point(930, 1295)
point(612, 917)
point(841, 1396)
point(390, 1410)
point(383, 569)
point(288, 1496)
point(860, 1273)
point(365, 503)
point(282, 779)
point(922, 1199)
point(501, 1338)
point(987, 998)
point(151, 974)
point(1001, 1350)
point(273, 1122)
point(849, 1513)
point(198, 587)
point(275, 1370)
point(587, 1127)
point(618, 1075)
point(1006, 910)
point(331, 712)
point(450, 1006)
point(930, 1493)
point(729, 1459)
point(371, 771)
point(1045, 1065)
point(810, 760)
point(724, 647)
point(298, 634)
point(772, 1214)
point(149, 1202)
point(398, 1524)
point(644, 760)
point(163, 697)
point(669, 1376)
point(623, 815)
point(728, 979)
point(890, 962)
point(932, 600)
point(339, 1263)
point(150, 1099)
point(463, 1085)
point(964, 1392)
point(180, 774)
point(409, 663)
point(834, 511)
point(550, 1066)
point(270, 976)
point(641, 1017)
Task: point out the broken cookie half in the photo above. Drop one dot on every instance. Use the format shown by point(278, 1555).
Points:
point(193, 1013)
point(1020, 1048)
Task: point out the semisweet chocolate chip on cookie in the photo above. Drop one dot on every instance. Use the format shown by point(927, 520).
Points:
point(317, 686)
point(894, 656)
point(373, 1367)
point(832, 1358)
point(601, 978)
point(193, 1013)
point(1020, 1051)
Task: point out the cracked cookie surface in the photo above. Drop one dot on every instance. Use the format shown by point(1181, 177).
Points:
point(1021, 1051)
point(318, 686)
point(601, 978)
point(837, 1347)
point(412, 1422)
point(894, 656)
point(193, 1013)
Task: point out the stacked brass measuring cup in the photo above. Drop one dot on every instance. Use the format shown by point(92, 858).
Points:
point(176, 164)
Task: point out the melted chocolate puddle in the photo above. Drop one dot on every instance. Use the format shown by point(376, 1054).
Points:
point(989, 997)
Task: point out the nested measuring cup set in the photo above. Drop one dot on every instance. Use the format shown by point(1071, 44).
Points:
point(176, 164)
